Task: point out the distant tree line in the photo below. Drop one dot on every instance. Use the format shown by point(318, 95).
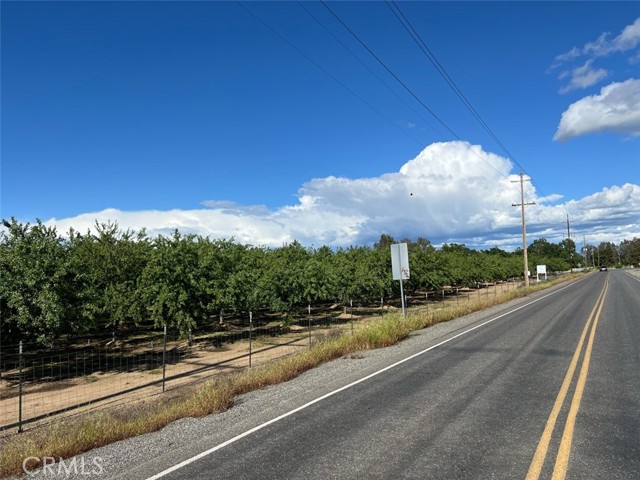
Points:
point(112, 279)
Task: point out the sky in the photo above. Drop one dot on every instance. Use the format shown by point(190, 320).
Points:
point(269, 122)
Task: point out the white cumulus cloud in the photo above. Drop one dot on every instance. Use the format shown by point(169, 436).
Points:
point(585, 75)
point(615, 109)
point(627, 40)
point(451, 191)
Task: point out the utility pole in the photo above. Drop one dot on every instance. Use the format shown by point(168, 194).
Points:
point(524, 226)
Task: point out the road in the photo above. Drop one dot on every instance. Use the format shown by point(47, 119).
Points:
point(546, 387)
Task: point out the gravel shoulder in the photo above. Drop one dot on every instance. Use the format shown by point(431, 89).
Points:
point(143, 456)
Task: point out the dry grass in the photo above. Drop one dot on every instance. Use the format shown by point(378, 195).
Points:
point(66, 438)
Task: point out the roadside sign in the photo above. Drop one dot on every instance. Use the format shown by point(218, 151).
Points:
point(400, 261)
point(400, 268)
point(541, 270)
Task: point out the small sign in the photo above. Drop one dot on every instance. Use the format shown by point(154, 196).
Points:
point(541, 270)
point(400, 268)
point(400, 261)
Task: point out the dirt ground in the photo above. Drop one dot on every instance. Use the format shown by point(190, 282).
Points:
point(101, 390)
point(40, 399)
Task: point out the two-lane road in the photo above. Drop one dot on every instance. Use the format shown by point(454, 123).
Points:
point(607, 435)
point(549, 388)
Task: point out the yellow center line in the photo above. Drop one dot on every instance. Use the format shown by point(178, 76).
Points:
point(543, 445)
point(562, 460)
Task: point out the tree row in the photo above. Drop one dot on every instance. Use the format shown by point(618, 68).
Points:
point(111, 279)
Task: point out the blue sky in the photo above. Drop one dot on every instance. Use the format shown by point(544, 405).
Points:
point(269, 122)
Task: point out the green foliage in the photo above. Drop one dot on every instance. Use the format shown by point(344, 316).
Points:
point(542, 248)
point(36, 287)
point(320, 278)
point(243, 291)
point(608, 254)
point(107, 267)
point(430, 270)
point(385, 242)
point(371, 271)
point(363, 273)
point(113, 279)
point(173, 283)
point(630, 252)
point(282, 284)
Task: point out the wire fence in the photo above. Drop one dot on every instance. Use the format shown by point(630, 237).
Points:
point(37, 385)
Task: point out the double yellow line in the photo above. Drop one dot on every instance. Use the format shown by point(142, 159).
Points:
point(562, 458)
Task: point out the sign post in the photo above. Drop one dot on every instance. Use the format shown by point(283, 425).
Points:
point(400, 268)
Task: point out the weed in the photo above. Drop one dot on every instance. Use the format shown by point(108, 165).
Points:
point(66, 438)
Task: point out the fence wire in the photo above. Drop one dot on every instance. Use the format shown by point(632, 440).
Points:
point(82, 375)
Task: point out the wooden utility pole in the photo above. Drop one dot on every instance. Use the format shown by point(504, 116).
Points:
point(524, 226)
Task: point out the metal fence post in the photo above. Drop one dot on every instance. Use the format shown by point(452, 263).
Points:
point(164, 358)
point(351, 314)
point(309, 322)
point(20, 387)
point(250, 335)
point(0, 345)
point(382, 307)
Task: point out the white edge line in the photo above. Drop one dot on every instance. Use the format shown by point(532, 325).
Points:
point(345, 387)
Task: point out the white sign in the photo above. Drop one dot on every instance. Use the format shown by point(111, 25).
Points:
point(541, 270)
point(400, 268)
point(400, 261)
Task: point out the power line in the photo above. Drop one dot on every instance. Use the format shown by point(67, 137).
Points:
point(409, 90)
point(399, 14)
point(320, 67)
point(388, 87)
point(443, 73)
point(468, 146)
point(395, 9)
point(404, 85)
point(326, 72)
point(391, 72)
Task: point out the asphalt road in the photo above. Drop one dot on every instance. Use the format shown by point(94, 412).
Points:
point(544, 387)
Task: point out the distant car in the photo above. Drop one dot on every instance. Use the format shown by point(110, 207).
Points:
point(603, 268)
